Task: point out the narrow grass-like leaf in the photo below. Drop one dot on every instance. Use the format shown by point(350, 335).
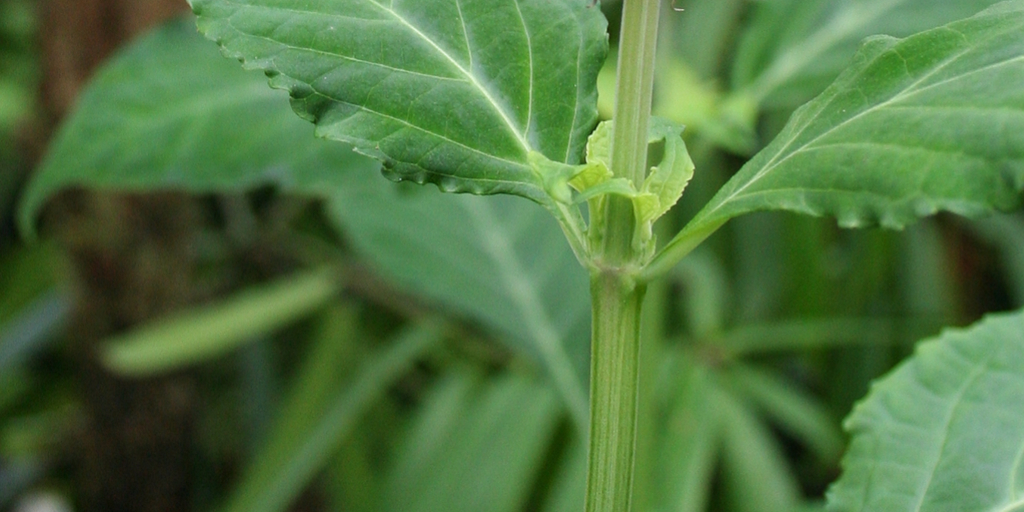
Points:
point(689, 440)
point(756, 476)
point(791, 408)
point(945, 430)
point(198, 335)
point(455, 92)
point(481, 451)
point(277, 480)
point(316, 383)
point(928, 123)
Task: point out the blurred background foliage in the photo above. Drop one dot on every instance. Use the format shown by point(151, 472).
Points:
point(247, 339)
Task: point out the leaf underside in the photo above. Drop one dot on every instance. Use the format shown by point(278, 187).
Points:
point(928, 123)
point(454, 92)
point(945, 431)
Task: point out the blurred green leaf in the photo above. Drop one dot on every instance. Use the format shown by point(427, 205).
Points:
point(807, 335)
point(318, 417)
point(18, 475)
point(15, 102)
point(929, 288)
point(30, 330)
point(945, 430)
point(570, 482)
point(704, 304)
point(932, 122)
point(689, 440)
point(26, 274)
point(479, 450)
point(499, 260)
point(1006, 234)
point(793, 49)
point(14, 384)
point(209, 331)
point(170, 112)
point(441, 91)
point(791, 408)
point(756, 475)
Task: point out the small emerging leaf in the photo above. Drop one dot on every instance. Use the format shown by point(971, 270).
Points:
point(661, 189)
point(669, 178)
point(944, 431)
point(599, 145)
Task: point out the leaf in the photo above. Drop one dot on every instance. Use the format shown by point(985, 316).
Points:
point(793, 49)
point(454, 92)
point(170, 112)
point(689, 441)
point(791, 409)
point(932, 122)
point(290, 462)
point(30, 330)
point(200, 334)
point(945, 430)
point(478, 445)
point(669, 178)
point(756, 476)
point(497, 259)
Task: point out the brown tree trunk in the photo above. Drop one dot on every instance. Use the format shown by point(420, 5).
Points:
point(131, 262)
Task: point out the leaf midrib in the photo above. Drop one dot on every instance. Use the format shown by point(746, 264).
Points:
point(470, 77)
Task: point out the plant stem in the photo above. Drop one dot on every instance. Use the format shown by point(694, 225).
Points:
point(614, 374)
point(634, 93)
point(634, 88)
point(615, 295)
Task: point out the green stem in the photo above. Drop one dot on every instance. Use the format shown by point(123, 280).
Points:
point(614, 374)
point(633, 97)
point(615, 295)
point(634, 89)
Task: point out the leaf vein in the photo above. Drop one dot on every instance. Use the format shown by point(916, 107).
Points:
point(469, 75)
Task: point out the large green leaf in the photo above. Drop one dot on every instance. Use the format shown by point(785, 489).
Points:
point(170, 112)
point(932, 122)
point(455, 92)
point(795, 48)
point(944, 431)
point(498, 259)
